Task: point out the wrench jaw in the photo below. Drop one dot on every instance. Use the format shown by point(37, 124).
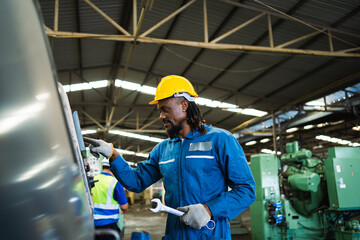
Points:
point(158, 205)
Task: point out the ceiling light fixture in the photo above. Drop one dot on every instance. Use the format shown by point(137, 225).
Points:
point(290, 130)
point(319, 102)
point(268, 151)
point(127, 152)
point(248, 111)
point(88, 131)
point(152, 90)
point(250, 143)
point(337, 140)
point(85, 86)
point(137, 136)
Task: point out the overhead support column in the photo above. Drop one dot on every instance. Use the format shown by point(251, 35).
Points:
point(270, 31)
point(141, 18)
point(134, 16)
point(330, 42)
point(56, 15)
point(206, 35)
point(137, 120)
point(274, 133)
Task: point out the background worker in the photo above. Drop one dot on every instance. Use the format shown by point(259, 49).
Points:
point(198, 164)
point(109, 199)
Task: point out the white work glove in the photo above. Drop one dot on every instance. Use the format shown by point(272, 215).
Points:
point(196, 216)
point(99, 146)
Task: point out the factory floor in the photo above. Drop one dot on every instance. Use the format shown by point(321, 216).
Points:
point(139, 218)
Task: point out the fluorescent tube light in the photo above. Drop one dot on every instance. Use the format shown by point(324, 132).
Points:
point(290, 130)
point(137, 136)
point(268, 151)
point(145, 155)
point(152, 90)
point(337, 140)
point(127, 152)
point(307, 127)
point(85, 86)
point(253, 112)
point(87, 131)
point(248, 111)
point(318, 102)
point(250, 143)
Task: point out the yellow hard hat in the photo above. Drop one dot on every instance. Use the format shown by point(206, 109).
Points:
point(171, 85)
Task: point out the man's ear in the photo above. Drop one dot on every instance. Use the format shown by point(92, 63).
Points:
point(185, 105)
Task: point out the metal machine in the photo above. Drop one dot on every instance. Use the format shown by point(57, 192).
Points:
point(303, 197)
point(44, 180)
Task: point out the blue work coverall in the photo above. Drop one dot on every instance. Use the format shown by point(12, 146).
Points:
point(199, 169)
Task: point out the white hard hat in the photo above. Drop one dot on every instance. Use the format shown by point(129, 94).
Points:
point(105, 163)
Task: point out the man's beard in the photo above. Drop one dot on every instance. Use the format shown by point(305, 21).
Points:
point(174, 129)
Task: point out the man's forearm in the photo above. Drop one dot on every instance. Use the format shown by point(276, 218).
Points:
point(114, 155)
point(208, 210)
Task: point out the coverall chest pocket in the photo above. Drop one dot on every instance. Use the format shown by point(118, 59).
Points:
point(201, 172)
point(204, 163)
point(168, 167)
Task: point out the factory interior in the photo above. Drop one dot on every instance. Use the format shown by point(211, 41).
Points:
point(281, 77)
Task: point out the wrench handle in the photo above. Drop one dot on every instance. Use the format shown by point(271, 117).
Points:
point(174, 211)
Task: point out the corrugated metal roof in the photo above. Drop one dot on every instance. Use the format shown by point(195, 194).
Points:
point(260, 79)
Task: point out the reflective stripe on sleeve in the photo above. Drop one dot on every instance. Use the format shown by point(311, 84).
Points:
point(97, 216)
point(168, 161)
point(106, 206)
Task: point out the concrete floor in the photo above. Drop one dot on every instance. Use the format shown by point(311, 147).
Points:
point(139, 218)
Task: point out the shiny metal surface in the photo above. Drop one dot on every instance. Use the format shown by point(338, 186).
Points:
point(75, 134)
point(42, 192)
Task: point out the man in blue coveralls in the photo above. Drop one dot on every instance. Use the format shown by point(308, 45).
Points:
point(198, 164)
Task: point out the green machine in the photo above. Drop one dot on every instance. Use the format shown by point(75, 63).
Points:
point(303, 197)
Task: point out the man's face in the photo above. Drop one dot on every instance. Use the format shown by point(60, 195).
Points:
point(172, 115)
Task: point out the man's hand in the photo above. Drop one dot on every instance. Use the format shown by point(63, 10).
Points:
point(196, 216)
point(99, 146)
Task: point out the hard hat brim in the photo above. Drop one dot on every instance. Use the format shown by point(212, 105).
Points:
point(153, 102)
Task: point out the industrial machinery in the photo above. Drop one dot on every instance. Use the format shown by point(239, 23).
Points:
point(304, 197)
point(44, 175)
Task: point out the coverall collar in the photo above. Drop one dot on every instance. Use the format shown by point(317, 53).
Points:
point(191, 135)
